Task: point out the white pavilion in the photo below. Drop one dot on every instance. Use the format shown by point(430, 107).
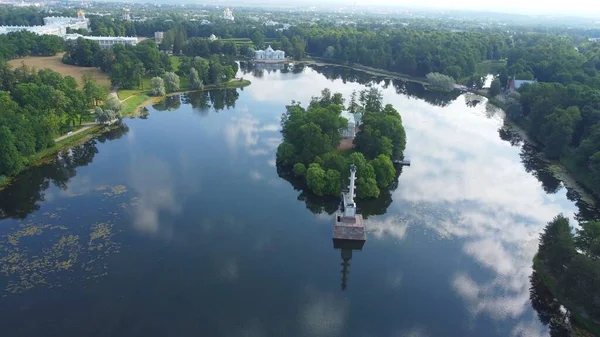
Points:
point(269, 54)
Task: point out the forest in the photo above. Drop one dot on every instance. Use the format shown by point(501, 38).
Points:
point(568, 263)
point(35, 105)
point(21, 44)
point(311, 137)
point(561, 110)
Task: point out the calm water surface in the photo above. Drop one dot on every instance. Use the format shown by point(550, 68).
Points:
point(179, 224)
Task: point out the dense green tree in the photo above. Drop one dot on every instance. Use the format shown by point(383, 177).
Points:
point(557, 130)
point(194, 79)
point(113, 103)
point(384, 171)
point(93, 92)
point(442, 82)
point(333, 183)
point(556, 246)
point(299, 170)
point(171, 81)
point(588, 238)
point(158, 86)
point(495, 88)
point(10, 159)
point(316, 179)
point(286, 153)
point(258, 38)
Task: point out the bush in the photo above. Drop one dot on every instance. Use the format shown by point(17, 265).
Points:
point(299, 170)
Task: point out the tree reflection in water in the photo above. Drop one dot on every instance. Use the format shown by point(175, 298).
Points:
point(408, 88)
point(203, 101)
point(541, 169)
point(329, 204)
point(22, 197)
point(548, 308)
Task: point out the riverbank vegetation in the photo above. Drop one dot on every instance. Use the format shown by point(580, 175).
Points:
point(440, 82)
point(569, 265)
point(561, 108)
point(35, 107)
point(311, 137)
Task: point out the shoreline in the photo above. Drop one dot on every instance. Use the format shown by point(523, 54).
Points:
point(139, 100)
point(559, 169)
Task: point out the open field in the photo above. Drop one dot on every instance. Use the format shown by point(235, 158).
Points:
point(55, 63)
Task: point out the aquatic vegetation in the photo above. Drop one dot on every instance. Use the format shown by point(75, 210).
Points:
point(55, 252)
point(112, 191)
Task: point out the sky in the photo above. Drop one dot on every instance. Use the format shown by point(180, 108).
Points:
point(579, 7)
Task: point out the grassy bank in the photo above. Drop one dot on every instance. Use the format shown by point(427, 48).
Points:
point(48, 153)
point(580, 322)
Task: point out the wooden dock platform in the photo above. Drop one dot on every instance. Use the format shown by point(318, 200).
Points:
point(349, 228)
point(404, 162)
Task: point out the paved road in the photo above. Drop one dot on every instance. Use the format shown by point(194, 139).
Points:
point(85, 126)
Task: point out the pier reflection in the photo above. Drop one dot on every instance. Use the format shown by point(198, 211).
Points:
point(346, 248)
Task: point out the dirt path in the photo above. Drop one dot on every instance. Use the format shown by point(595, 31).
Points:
point(85, 126)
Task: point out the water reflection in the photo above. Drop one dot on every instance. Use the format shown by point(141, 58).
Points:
point(346, 248)
point(549, 310)
point(330, 204)
point(410, 89)
point(23, 197)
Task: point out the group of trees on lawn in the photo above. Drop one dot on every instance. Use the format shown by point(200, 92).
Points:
point(127, 65)
point(34, 106)
point(311, 137)
point(21, 44)
point(570, 264)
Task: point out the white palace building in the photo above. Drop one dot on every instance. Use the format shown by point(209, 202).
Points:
point(269, 55)
point(53, 25)
point(57, 25)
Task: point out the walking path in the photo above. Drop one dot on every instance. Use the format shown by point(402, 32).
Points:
point(85, 126)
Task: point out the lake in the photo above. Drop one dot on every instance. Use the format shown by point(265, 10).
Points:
point(179, 223)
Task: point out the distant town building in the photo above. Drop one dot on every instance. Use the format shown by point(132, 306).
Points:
point(595, 39)
point(205, 22)
point(353, 123)
point(159, 36)
point(269, 54)
point(126, 16)
point(212, 37)
point(53, 25)
point(105, 42)
point(228, 14)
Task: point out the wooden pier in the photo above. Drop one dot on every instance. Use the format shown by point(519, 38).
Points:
point(349, 228)
point(402, 162)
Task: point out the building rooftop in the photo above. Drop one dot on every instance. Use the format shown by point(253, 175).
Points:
point(519, 83)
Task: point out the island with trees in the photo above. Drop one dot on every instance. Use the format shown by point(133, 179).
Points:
point(312, 136)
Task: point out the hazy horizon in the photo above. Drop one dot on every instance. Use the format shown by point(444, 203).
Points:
point(574, 7)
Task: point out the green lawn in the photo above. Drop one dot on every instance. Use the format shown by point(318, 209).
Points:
point(175, 62)
point(130, 106)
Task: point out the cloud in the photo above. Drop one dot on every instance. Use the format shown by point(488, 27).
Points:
point(324, 315)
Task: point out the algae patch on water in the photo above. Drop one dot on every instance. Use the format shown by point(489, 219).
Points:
point(112, 191)
point(49, 255)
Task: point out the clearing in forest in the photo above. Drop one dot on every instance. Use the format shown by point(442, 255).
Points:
point(55, 63)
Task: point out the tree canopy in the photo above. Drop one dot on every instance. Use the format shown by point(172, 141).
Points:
point(311, 137)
